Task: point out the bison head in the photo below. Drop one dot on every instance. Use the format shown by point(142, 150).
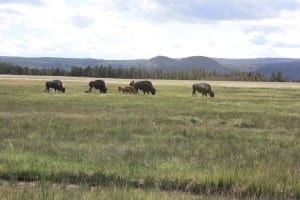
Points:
point(103, 90)
point(63, 89)
point(131, 83)
point(153, 91)
point(212, 94)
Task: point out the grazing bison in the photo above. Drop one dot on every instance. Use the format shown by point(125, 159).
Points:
point(145, 86)
point(129, 90)
point(99, 85)
point(203, 88)
point(56, 85)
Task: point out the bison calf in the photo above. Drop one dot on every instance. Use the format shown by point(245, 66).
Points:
point(203, 88)
point(129, 90)
point(56, 85)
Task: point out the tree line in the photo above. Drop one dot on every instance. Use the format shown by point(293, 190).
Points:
point(139, 73)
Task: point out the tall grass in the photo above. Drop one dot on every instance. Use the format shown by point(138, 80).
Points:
point(243, 142)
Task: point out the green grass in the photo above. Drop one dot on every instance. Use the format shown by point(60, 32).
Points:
point(242, 143)
point(37, 191)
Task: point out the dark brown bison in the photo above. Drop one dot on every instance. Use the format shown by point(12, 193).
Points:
point(99, 85)
point(203, 88)
point(56, 85)
point(145, 86)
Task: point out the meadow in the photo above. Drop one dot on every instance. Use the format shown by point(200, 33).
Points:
point(243, 143)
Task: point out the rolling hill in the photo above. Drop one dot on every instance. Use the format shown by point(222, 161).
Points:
point(158, 62)
point(290, 67)
point(267, 66)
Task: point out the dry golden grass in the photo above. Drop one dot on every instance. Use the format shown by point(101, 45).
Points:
point(242, 84)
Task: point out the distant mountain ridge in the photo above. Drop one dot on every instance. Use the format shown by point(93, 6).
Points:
point(169, 64)
point(289, 66)
point(158, 62)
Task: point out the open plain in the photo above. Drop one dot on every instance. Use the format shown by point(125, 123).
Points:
point(243, 143)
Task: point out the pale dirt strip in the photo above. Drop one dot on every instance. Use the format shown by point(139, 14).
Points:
point(243, 84)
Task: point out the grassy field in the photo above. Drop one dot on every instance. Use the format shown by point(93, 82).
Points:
point(242, 143)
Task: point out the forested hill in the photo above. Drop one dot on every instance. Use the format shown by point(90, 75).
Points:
point(290, 67)
point(159, 62)
point(266, 66)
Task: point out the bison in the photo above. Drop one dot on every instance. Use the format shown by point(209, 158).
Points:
point(145, 86)
point(99, 85)
point(56, 85)
point(129, 90)
point(203, 88)
point(120, 89)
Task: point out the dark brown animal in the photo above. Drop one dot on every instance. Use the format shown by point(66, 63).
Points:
point(145, 86)
point(203, 88)
point(56, 85)
point(99, 85)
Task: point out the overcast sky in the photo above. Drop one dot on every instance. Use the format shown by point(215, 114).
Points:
point(120, 29)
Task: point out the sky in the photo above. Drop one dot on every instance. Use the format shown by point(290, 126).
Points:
point(136, 29)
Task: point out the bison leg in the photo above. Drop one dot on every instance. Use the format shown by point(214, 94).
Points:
point(194, 93)
point(47, 89)
point(133, 90)
point(136, 90)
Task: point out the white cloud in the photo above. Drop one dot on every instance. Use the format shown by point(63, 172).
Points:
point(27, 2)
point(143, 29)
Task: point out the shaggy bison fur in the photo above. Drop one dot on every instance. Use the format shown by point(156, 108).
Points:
point(203, 88)
point(56, 85)
point(145, 86)
point(99, 85)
